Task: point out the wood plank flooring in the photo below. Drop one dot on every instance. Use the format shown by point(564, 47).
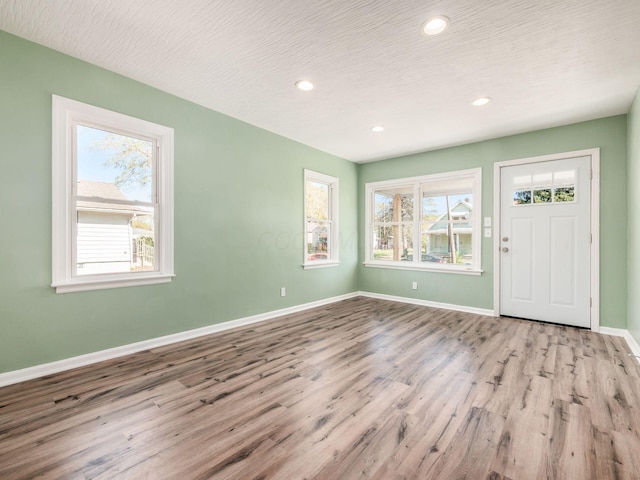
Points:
point(360, 389)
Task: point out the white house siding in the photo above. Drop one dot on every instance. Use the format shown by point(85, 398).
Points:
point(104, 242)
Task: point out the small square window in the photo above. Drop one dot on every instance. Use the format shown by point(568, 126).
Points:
point(542, 195)
point(522, 197)
point(564, 194)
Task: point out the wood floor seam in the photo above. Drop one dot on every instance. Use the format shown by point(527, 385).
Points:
point(364, 388)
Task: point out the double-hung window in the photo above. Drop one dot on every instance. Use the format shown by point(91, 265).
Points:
point(430, 222)
point(112, 199)
point(320, 220)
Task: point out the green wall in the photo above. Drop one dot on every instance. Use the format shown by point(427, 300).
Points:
point(238, 217)
point(633, 295)
point(477, 291)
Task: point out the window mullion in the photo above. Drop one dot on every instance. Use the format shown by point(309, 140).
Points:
point(417, 223)
point(73, 203)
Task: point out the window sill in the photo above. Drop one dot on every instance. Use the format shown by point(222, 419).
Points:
point(113, 282)
point(328, 263)
point(403, 266)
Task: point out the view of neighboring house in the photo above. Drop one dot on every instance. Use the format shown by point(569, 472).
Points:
point(107, 242)
point(317, 236)
point(438, 239)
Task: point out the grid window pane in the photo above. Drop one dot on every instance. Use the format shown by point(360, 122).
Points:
point(522, 197)
point(318, 240)
point(317, 200)
point(115, 219)
point(447, 231)
point(393, 243)
point(393, 205)
point(564, 194)
point(542, 195)
point(113, 166)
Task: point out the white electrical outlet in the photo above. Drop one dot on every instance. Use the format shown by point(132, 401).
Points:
point(283, 292)
point(414, 285)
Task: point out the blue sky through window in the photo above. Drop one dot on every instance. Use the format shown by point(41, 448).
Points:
point(93, 162)
point(431, 206)
point(438, 206)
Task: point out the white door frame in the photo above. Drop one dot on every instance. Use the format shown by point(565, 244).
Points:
point(594, 153)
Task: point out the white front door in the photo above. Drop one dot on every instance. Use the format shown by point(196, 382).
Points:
point(545, 241)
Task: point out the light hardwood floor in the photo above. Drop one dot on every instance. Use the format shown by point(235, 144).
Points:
point(360, 389)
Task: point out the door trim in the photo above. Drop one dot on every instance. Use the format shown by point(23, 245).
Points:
point(594, 153)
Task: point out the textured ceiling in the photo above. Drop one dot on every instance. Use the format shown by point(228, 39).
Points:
point(544, 62)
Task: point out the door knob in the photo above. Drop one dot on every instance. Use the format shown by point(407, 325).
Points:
point(505, 249)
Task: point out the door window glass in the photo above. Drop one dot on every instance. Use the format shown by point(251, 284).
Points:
point(544, 188)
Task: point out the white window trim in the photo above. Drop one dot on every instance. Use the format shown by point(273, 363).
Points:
point(64, 113)
point(416, 264)
point(333, 183)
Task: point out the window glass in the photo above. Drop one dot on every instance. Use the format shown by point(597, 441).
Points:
point(112, 197)
point(544, 188)
point(542, 195)
point(115, 219)
point(394, 205)
point(317, 198)
point(318, 240)
point(123, 162)
point(393, 223)
point(447, 229)
point(320, 200)
point(425, 222)
point(564, 194)
point(393, 243)
point(522, 197)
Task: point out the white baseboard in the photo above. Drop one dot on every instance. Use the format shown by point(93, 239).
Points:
point(626, 334)
point(428, 303)
point(38, 371)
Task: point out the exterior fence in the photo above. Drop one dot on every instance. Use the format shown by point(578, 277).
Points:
point(142, 253)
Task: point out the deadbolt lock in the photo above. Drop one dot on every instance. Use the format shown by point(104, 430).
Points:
point(505, 239)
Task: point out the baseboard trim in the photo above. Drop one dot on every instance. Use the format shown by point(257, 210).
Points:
point(626, 334)
point(17, 376)
point(37, 371)
point(428, 303)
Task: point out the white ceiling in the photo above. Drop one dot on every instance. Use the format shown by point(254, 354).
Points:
point(544, 62)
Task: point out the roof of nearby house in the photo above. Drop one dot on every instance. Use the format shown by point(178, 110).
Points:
point(461, 207)
point(91, 188)
point(106, 191)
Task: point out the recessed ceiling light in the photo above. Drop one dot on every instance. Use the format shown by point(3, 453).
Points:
point(304, 85)
point(435, 25)
point(478, 102)
point(377, 128)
